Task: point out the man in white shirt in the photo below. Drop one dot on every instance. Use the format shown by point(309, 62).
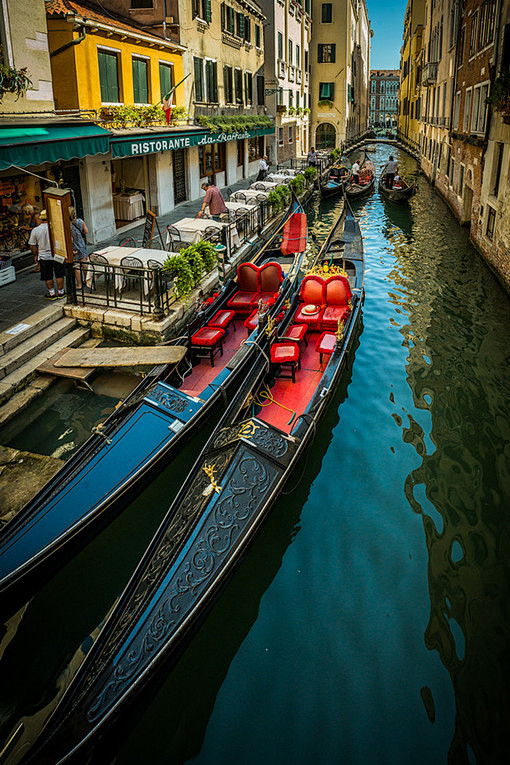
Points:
point(50, 269)
point(389, 172)
point(355, 173)
point(263, 168)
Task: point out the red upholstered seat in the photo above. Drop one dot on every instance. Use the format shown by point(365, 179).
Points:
point(252, 321)
point(312, 290)
point(312, 321)
point(242, 302)
point(297, 332)
point(247, 281)
point(222, 319)
point(207, 336)
point(337, 296)
point(325, 344)
point(270, 277)
point(267, 296)
point(332, 315)
point(286, 353)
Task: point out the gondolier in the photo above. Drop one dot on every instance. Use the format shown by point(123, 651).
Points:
point(389, 172)
point(355, 173)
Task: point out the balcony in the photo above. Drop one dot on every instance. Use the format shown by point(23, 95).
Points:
point(281, 68)
point(291, 73)
point(429, 74)
point(299, 76)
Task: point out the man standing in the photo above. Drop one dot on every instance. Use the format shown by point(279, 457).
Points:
point(389, 172)
point(213, 198)
point(263, 168)
point(355, 173)
point(51, 270)
point(312, 157)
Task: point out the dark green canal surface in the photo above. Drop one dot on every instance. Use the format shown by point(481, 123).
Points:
point(369, 623)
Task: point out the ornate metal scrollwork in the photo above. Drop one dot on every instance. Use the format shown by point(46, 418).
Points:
point(169, 399)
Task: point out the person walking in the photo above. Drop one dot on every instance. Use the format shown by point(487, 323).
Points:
point(312, 157)
point(263, 168)
point(389, 172)
point(51, 270)
point(214, 199)
point(79, 231)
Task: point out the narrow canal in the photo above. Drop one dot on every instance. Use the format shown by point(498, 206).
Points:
point(369, 622)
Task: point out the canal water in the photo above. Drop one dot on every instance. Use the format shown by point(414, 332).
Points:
point(369, 622)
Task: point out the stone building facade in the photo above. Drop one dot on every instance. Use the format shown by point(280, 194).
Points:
point(409, 106)
point(384, 97)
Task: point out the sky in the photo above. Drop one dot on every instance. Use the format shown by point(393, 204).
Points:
point(387, 21)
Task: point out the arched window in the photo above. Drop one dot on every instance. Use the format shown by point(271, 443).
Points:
point(325, 136)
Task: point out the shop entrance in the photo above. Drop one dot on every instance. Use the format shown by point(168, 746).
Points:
point(179, 168)
point(130, 187)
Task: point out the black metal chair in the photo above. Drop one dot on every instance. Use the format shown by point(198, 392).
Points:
point(212, 234)
point(127, 265)
point(238, 196)
point(98, 266)
point(258, 186)
point(175, 236)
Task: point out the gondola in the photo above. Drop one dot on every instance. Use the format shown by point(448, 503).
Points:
point(332, 181)
point(141, 436)
point(366, 181)
point(400, 191)
point(222, 504)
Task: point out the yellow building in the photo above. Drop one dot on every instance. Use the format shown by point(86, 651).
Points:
point(410, 73)
point(98, 61)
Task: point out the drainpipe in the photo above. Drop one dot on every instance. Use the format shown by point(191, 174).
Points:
point(69, 44)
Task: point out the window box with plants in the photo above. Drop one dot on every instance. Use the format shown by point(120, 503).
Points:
point(325, 103)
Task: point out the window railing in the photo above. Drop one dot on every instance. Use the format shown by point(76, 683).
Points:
point(429, 73)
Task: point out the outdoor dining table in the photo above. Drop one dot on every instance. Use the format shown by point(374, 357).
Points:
point(253, 211)
point(279, 178)
point(252, 195)
point(114, 254)
point(193, 229)
point(268, 185)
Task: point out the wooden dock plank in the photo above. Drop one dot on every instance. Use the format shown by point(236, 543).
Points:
point(50, 367)
point(122, 357)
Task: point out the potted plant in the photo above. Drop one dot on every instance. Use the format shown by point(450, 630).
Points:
point(292, 110)
point(13, 80)
point(178, 267)
point(325, 103)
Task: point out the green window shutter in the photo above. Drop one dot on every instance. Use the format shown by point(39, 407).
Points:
point(223, 16)
point(165, 79)
point(108, 77)
point(247, 29)
point(240, 21)
point(199, 85)
point(333, 53)
point(140, 84)
point(207, 11)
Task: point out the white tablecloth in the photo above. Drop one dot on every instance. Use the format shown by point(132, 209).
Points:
point(279, 178)
point(193, 229)
point(268, 185)
point(128, 206)
point(250, 194)
point(254, 211)
point(115, 254)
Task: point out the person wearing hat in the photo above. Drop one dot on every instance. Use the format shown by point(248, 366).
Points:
point(51, 270)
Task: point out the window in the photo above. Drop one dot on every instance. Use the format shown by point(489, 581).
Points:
point(497, 163)
point(290, 52)
point(248, 88)
point(479, 119)
point(109, 77)
point(257, 36)
point(326, 53)
point(240, 153)
point(291, 134)
point(460, 46)
point(280, 136)
point(279, 97)
point(456, 111)
point(291, 98)
point(199, 79)
point(135, 4)
point(228, 85)
point(211, 159)
point(280, 45)
point(467, 111)
point(327, 13)
point(486, 25)
point(491, 220)
point(255, 148)
point(298, 56)
point(474, 31)
point(326, 90)
point(461, 181)
point(372, 86)
point(247, 29)
point(240, 24)
point(452, 171)
point(261, 99)
point(228, 18)
point(201, 9)
point(238, 85)
point(211, 79)
point(166, 79)
point(325, 136)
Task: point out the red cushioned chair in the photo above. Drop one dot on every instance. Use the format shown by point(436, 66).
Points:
point(223, 319)
point(312, 294)
point(206, 342)
point(270, 279)
point(252, 321)
point(337, 297)
point(285, 353)
point(325, 344)
point(298, 333)
point(248, 283)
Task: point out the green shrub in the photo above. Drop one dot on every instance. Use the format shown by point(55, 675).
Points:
point(310, 174)
point(297, 184)
point(179, 268)
point(208, 253)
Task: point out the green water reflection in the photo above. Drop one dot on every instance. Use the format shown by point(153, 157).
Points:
point(369, 622)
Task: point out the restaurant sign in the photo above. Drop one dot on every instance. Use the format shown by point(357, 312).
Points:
point(150, 144)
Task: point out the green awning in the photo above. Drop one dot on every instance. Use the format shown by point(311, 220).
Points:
point(29, 145)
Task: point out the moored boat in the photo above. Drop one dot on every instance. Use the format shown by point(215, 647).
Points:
point(142, 435)
point(223, 501)
point(401, 191)
point(332, 181)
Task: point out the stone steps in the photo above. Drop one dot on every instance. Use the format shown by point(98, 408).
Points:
point(22, 374)
point(31, 346)
point(29, 327)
